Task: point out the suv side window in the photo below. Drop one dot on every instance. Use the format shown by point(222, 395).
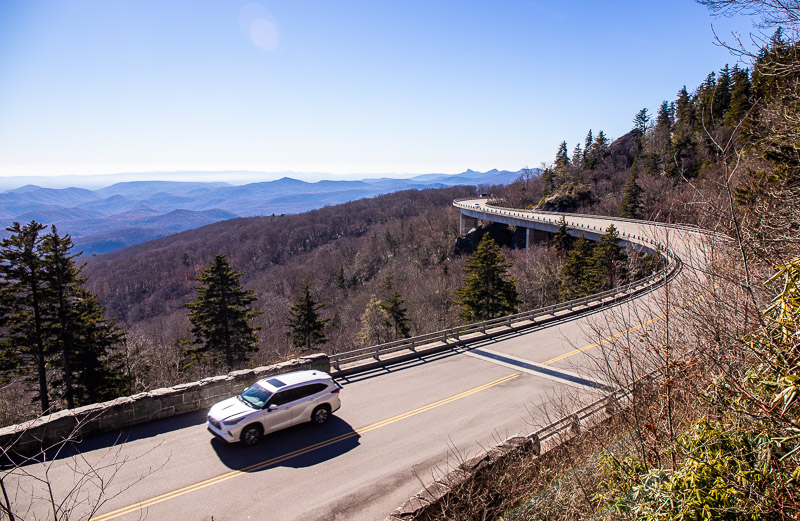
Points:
point(308, 390)
point(283, 397)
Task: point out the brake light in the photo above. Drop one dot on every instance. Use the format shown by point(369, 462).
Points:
point(336, 391)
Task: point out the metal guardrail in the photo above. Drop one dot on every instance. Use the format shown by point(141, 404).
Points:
point(530, 214)
point(589, 301)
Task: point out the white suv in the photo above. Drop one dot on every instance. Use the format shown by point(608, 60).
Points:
point(275, 403)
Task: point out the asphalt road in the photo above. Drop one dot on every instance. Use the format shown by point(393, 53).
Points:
point(398, 427)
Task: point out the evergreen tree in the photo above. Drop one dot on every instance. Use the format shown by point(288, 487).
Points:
point(562, 159)
point(220, 317)
point(396, 318)
point(641, 122)
point(600, 147)
point(52, 326)
point(588, 152)
point(548, 181)
point(607, 265)
point(562, 240)
point(631, 206)
point(662, 136)
point(340, 281)
point(305, 325)
point(574, 275)
point(577, 158)
point(25, 301)
point(487, 291)
point(83, 339)
point(740, 97)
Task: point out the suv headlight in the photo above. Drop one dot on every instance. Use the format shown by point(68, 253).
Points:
point(233, 421)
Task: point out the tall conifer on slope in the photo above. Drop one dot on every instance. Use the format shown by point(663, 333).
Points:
point(24, 301)
point(631, 206)
point(395, 313)
point(83, 339)
point(52, 326)
point(221, 315)
point(306, 327)
point(487, 291)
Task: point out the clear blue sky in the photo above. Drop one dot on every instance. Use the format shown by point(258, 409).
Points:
point(346, 87)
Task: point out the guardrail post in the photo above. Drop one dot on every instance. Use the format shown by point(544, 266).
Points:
point(536, 444)
point(444, 337)
point(508, 321)
point(377, 354)
point(456, 333)
point(413, 345)
point(575, 424)
point(335, 363)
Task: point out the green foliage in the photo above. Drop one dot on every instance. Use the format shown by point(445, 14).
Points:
point(220, 317)
point(593, 267)
point(53, 330)
point(562, 240)
point(631, 206)
point(487, 291)
point(745, 464)
point(305, 324)
point(395, 313)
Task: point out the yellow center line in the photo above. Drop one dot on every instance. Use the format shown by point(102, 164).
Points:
point(622, 333)
point(298, 452)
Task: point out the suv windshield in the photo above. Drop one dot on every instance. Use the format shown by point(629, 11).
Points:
point(255, 396)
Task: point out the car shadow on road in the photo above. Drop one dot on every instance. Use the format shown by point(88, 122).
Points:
point(303, 445)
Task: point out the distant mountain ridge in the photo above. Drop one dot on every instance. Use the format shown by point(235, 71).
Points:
point(127, 213)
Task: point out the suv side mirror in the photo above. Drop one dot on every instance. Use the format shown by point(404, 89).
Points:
point(272, 407)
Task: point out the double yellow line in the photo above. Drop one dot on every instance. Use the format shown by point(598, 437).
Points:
point(299, 452)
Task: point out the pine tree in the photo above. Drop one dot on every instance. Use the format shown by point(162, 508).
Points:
point(52, 325)
point(641, 123)
point(220, 317)
point(305, 325)
point(548, 181)
point(562, 159)
point(631, 206)
point(740, 97)
point(487, 291)
point(83, 339)
point(562, 240)
point(25, 302)
point(587, 144)
point(340, 281)
point(607, 264)
point(577, 158)
point(396, 319)
point(574, 282)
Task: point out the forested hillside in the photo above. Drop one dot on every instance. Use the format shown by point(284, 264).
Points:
point(711, 429)
point(353, 256)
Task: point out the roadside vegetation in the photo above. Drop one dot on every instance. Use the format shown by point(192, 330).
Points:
point(713, 428)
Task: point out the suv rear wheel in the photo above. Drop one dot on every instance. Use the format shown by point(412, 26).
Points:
point(321, 414)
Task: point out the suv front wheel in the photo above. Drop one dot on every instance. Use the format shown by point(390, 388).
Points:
point(251, 434)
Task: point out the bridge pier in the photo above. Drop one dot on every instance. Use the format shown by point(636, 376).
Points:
point(467, 223)
point(535, 236)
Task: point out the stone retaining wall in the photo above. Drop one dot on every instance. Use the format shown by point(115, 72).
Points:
point(31, 437)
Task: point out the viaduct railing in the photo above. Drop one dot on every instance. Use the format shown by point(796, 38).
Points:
point(532, 317)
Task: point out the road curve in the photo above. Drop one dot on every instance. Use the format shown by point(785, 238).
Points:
point(398, 426)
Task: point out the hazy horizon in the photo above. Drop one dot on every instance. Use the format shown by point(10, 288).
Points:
point(346, 88)
point(235, 178)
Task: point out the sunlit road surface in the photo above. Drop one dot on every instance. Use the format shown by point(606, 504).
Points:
point(398, 428)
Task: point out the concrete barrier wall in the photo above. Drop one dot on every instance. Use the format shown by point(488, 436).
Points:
point(31, 437)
